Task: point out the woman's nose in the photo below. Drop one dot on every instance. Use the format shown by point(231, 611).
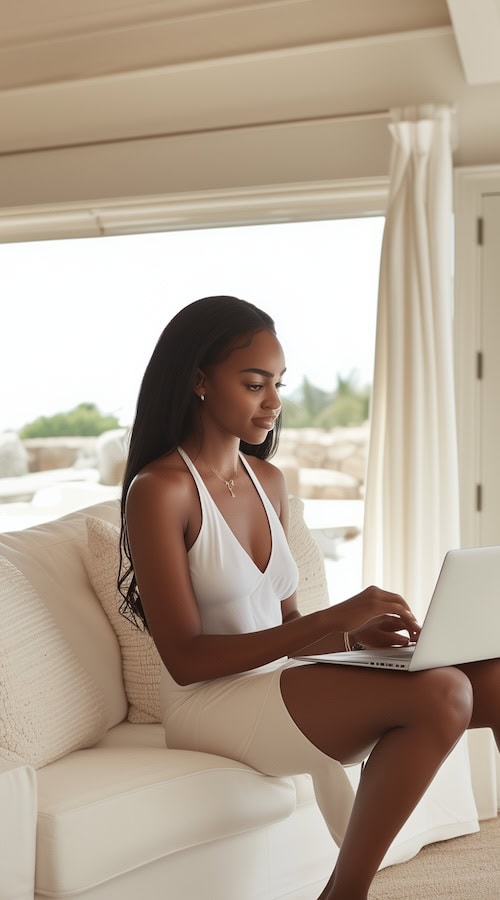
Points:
point(272, 400)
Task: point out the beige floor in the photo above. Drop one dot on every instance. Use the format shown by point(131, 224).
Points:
point(466, 868)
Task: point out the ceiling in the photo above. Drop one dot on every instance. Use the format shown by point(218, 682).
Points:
point(60, 40)
point(76, 73)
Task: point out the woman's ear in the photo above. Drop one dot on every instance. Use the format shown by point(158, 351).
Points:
point(200, 381)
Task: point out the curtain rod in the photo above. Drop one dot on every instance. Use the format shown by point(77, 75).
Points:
point(221, 129)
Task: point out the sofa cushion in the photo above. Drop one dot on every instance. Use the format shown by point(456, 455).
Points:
point(130, 801)
point(49, 705)
point(312, 590)
point(49, 555)
point(140, 658)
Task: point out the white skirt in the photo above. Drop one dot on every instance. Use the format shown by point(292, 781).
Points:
point(244, 717)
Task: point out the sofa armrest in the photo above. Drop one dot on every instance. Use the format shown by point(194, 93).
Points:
point(18, 815)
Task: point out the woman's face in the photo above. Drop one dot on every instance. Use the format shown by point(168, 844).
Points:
point(242, 391)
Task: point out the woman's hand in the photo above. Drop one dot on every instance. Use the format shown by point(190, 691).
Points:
point(374, 617)
point(384, 631)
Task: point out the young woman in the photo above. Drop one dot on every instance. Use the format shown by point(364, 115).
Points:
point(207, 570)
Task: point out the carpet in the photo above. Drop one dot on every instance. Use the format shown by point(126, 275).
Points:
point(464, 868)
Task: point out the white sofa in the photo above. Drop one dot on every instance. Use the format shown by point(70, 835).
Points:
point(83, 763)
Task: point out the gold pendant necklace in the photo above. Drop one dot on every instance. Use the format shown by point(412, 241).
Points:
point(228, 482)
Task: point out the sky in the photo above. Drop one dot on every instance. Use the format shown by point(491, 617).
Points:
point(80, 317)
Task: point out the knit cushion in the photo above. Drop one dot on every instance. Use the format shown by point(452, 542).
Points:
point(49, 704)
point(312, 591)
point(140, 658)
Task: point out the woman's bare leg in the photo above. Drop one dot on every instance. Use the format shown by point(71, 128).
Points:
point(413, 719)
point(485, 679)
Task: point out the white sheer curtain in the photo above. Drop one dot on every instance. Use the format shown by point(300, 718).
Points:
point(411, 504)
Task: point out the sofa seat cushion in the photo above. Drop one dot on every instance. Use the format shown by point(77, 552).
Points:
point(129, 801)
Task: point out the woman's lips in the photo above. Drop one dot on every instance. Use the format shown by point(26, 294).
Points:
point(265, 422)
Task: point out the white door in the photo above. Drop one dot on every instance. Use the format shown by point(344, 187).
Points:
point(489, 374)
point(489, 384)
point(477, 313)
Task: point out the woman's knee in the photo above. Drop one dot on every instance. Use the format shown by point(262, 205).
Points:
point(448, 700)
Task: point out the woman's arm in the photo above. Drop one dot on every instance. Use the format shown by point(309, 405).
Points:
point(379, 632)
point(159, 506)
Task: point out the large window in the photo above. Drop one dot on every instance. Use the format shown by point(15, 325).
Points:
point(84, 314)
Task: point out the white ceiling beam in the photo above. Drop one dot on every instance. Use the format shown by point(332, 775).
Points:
point(477, 32)
point(332, 79)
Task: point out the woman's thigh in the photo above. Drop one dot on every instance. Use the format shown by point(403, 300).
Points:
point(344, 710)
point(485, 679)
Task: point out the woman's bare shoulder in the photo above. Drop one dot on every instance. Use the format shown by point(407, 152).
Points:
point(271, 479)
point(163, 479)
point(264, 468)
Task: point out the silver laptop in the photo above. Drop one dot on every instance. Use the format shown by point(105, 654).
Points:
point(462, 623)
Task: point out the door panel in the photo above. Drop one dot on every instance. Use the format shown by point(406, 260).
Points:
point(489, 394)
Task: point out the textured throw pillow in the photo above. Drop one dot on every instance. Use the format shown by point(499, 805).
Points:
point(140, 658)
point(49, 705)
point(312, 592)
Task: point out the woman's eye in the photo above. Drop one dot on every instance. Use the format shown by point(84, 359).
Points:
point(259, 387)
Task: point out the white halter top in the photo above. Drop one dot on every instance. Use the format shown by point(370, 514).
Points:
point(232, 593)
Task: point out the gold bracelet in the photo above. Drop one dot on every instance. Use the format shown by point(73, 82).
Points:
point(348, 646)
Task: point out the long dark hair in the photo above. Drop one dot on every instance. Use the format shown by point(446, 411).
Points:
point(200, 335)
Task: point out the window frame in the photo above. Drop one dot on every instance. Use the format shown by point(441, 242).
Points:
point(205, 209)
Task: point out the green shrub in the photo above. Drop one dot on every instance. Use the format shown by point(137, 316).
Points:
point(84, 420)
point(312, 407)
